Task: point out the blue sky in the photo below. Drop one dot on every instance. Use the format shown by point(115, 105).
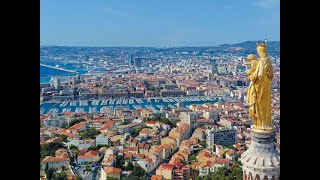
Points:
point(157, 23)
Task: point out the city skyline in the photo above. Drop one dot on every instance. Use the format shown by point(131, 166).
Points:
point(157, 24)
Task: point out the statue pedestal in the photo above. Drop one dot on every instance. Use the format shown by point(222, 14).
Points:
point(262, 160)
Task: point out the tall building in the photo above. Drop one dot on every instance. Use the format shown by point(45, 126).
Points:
point(130, 60)
point(56, 83)
point(189, 118)
point(213, 64)
point(221, 136)
point(137, 62)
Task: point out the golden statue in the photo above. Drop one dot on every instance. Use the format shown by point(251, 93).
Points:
point(259, 92)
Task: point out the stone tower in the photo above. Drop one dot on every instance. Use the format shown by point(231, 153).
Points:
point(262, 160)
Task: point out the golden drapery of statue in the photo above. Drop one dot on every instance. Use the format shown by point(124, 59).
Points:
point(260, 75)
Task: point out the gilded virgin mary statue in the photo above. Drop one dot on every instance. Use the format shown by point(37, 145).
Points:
point(259, 91)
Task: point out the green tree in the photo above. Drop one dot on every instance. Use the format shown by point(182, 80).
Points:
point(64, 137)
point(87, 167)
point(49, 149)
point(199, 178)
point(63, 168)
point(138, 171)
point(135, 132)
point(61, 176)
point(93, 148)
point(129, 166)
point(224, 155)
point(192, 158)
point(111, 178)
point(203, 143)
point(90, 134)
point(76, 121)
point(49, 173)
point(79, 178)
point(119, 162)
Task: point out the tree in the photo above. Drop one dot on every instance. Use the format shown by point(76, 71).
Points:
point(79, 178)
point(46, 168)
point(93, 148)
point(111, 178)
point(135, 132)
point(203, 143)
point(129, 167)
point(87, 167)
point(90, 134)
point(76, 121)
point(49, 149)
point(119, 162)
point(49, 173)
point(138, 171)
point(192, 158)
point(64, 137)
point(198, 178)
point(61, 176)
point(224, 155)
point(63, 168)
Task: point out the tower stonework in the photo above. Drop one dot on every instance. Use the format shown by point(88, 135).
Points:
point(262, 160)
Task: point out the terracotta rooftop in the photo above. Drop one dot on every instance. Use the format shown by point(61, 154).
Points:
point(54, 159)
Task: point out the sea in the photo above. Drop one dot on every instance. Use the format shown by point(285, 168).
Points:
point(46, 72)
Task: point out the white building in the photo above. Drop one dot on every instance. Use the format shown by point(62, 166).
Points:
point(189, 118)
point(54, 162)
point(102, 139)
point(221, 136)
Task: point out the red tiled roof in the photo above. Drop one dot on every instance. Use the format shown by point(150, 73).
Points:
point(114, 170)
point(92, 152)
point(54, 159)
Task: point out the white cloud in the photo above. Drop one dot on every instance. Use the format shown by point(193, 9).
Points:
point(267, 3)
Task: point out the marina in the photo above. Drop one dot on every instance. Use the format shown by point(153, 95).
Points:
point(106, 105)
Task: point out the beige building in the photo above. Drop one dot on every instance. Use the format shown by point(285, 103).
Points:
point(55, 162)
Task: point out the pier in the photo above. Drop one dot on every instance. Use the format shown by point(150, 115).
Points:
point(58, 68)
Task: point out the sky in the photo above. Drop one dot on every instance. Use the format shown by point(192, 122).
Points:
point(157, 23)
